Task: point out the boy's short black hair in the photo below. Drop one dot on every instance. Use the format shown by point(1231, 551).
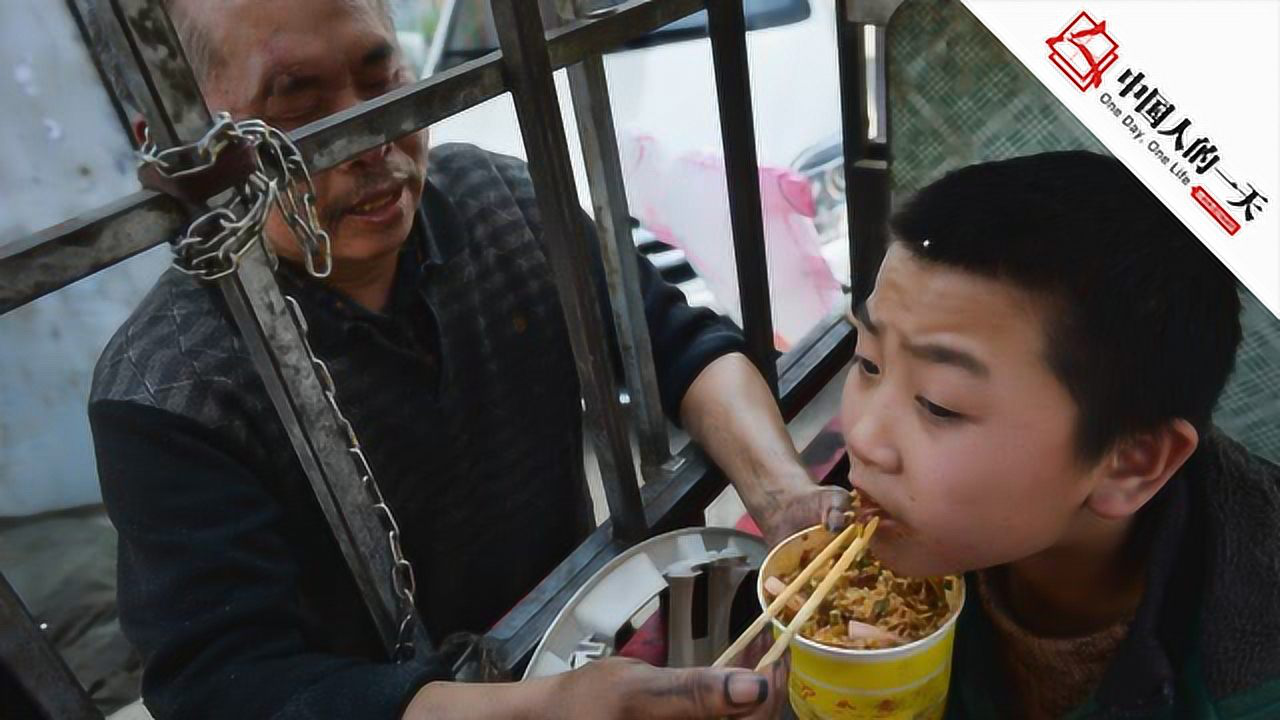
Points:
point(1142, 320)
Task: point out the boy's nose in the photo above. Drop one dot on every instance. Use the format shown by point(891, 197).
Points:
point(870, 443)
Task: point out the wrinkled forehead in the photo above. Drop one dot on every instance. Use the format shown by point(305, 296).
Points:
point(248, 32)
point(918, 297)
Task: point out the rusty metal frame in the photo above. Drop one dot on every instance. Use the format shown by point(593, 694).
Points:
point(593, 111)
point(866, 153)
point(727, 26)
point(671, 497)
point(35, 666)
point(58, 256)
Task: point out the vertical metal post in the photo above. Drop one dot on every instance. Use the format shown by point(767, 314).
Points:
point(36, 666)
point(727, 26)
point(94, 32)
point(180, 114)
point(528, 68)
point(272, 336)
point(594, 113)
point(276, 345)
point(866, 153)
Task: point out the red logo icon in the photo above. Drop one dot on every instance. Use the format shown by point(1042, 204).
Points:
point(1212, 207)
point(1083, 51)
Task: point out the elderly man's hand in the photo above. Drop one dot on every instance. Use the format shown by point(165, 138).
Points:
point(792, 510)
point(612, 689)
point(621, 688)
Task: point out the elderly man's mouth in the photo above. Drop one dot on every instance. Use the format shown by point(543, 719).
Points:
point(379, 208)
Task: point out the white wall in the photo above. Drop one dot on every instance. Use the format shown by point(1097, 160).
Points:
point(64, 153)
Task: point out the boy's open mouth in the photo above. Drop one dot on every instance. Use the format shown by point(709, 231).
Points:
point(865, 507)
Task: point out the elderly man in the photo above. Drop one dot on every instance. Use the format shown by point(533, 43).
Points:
point(442, 328)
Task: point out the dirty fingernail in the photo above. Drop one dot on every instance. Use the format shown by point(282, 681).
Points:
point(835, 519)
point(746, 688)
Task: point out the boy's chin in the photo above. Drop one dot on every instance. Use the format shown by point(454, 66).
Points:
point(907, 561)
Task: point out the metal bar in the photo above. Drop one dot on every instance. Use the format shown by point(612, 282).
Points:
point(728, 29)
point(271, 333)
point(325, 143)
point(108, 36)
point(520, 630)
point(877, 86)
point(335, 139)
point(181, 115)
point(276, 346)
point(866, 160)
point(36, 666)
point(580, 39)
point(820, 355)
point(60, 255)
point(528, 71)
point(77, 248)
point(671, 502)
point(594, 113)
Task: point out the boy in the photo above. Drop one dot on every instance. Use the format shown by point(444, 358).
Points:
point(1030, 404)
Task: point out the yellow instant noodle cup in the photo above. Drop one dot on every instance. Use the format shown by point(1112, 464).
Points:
point(833, 683)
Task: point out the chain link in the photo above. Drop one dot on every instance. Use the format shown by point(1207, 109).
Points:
point(212, 247)
point(213, 244)
point(402, 579)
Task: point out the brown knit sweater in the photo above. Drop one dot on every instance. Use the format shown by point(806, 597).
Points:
point(1050, 676)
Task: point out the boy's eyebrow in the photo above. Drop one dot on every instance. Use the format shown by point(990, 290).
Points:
point(944, 355)
point(929, 352)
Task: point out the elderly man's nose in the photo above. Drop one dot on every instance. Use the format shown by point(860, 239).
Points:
point(375, 155)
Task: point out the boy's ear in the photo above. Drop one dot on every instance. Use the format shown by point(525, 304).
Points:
point(1135, 469)
point(139, 129)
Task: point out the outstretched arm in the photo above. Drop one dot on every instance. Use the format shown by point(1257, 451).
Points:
point(730, 411)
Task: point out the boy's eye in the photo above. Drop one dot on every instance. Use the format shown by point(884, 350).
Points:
point(937, 410)
point(865, 366)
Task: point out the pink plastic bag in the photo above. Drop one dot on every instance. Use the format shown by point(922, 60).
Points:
point(685, 203)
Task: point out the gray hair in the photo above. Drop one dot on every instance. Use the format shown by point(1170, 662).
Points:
point(197, 43)
point(196, 40)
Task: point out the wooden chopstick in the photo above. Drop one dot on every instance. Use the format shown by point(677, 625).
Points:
point(796, 585)
point(852, 553)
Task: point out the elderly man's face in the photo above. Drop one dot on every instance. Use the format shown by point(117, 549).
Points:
point(290, 62)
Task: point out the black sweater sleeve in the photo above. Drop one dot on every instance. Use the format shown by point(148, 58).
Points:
point(684, 339)
point(207, 585)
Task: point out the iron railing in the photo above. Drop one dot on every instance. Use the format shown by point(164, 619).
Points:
point(676, 488)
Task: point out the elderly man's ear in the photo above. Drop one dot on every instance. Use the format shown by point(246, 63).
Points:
point(1135, 469)
point(139, 127)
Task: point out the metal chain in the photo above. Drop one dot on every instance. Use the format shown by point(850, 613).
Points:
point(213, 245)
point(402, 579)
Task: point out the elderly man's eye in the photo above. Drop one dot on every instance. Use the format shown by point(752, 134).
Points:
point(292, 120)
point(393, 79)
